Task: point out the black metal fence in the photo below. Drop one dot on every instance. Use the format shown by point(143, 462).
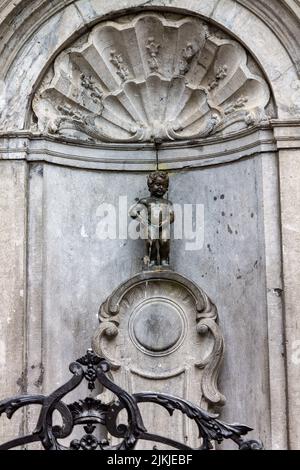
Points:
point(90, 413)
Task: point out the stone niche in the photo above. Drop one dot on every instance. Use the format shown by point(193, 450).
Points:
point(141, 91)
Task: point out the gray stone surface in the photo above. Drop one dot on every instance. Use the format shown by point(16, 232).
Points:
point(13, 288)
point(54, 270)
point(231, 269)
point(276, 343)
point(290, 203)
point(78, 269)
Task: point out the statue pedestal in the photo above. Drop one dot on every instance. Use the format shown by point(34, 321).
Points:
point(159, 331)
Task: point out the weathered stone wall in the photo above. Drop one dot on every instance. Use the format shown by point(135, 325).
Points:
point(13, 242)
point(55, 272)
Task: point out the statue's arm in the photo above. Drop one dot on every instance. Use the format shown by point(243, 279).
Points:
point(172, 214)
point(137, 208)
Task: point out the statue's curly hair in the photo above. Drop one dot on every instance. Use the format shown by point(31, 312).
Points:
point(158, 174)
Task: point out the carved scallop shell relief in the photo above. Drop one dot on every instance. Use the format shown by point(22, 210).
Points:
point(151, 77)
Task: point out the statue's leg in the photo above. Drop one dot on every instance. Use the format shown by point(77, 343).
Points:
point(164, 252)
point(152, 252)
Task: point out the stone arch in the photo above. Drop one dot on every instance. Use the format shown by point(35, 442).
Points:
point(60, 22)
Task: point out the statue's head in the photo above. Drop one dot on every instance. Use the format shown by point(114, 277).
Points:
point(158, 183)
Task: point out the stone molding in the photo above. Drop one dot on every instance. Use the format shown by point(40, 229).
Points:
point(213, 151)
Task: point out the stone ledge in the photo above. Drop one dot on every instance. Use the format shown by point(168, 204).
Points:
point(136, 157)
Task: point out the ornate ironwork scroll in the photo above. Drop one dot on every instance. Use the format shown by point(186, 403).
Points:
point(92, 412)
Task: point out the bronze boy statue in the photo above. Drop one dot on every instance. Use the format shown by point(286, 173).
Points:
point(156, 214)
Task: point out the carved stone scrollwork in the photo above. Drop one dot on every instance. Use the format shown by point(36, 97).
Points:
point(153, 51)
point(151, 77)
point(160, 331)
point(212, 364)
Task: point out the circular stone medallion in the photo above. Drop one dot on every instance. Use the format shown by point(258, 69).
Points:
point(157, 327)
